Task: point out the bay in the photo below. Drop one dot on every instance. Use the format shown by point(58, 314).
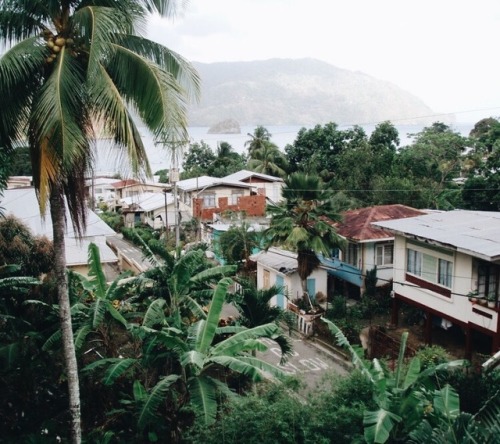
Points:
point(109, 160)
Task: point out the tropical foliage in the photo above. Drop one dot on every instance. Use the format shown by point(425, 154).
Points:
point(67, 66)
point(304, 222)
point(411, 402)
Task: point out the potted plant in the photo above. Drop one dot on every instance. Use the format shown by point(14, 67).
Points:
point(472, 296)
point(492, 300)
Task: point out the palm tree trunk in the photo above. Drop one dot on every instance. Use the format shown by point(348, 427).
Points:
point(58, 215)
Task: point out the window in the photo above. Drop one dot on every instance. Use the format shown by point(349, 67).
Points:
point(430, 268)
point(488, 278)
point(384, 254)
point(235, 195)
point(209, 200)
point(351, 256)
point(414, 265)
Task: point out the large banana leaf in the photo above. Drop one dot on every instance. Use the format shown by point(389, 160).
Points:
point(203, 396)
point(205, 337)
point(156, 396)
point(378, 425)
point(117, 369)
point(155, 314)
point(230, 345)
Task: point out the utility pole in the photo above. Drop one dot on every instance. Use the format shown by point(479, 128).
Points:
point(166, 216)
point(174, 178)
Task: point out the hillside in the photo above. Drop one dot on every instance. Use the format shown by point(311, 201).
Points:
point(299, 92)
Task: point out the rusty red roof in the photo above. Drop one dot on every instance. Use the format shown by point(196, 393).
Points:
point(356, 224)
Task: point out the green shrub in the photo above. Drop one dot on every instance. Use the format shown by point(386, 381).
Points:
point(432, 355)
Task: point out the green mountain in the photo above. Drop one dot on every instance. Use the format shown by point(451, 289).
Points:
point(299, 92)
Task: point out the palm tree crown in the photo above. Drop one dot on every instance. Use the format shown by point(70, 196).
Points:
point(303, 222)
point(72, 64)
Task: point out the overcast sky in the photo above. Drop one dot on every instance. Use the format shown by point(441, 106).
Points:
point(446, 52)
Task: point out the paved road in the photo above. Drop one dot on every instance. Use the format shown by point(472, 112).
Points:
point(309, 363)
point(131, 252)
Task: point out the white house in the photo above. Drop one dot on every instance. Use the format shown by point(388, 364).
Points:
point(279, 267)
point(269, 186)
point(149, 208)
point(443, 258)
point(209, 196)
point(23, 204)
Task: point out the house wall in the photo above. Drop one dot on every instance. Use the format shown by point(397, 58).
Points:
point(384, 272)
point(253, 206)
point(291, 282)
point(455, 307)
point(153, 220)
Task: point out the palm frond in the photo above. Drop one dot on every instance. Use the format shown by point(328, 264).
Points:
point(343, 342)
point(157, 395)
point(9, 354)
point(118, 368)
point(204, 340)
point(261, 331)
point(378, 425)
point(203, 396)
point(81, 335)
point(155, 314)
point(95, 270)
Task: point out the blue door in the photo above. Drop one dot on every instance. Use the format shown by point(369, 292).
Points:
point(281, 294)
point(311, 288)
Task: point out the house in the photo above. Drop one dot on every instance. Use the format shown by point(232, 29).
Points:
point(266, 185)
point(132, 187)
point(154, 209)
point(441, 260)
point(23, 204)
point(209, 197)
point(368, 246)
point(279, 267)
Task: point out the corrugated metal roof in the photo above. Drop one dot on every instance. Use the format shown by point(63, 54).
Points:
point(149, 201)
point(198, 183)
point(23, 204)
point(246, 174)
point(356, 224)
point(280, 260)
point(476, 233)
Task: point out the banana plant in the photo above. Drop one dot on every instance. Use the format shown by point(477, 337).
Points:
point(404, 395)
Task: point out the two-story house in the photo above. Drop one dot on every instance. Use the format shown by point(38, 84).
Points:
point(269, 186)
point(368, 246)
point(441, 260)
point(209, 196)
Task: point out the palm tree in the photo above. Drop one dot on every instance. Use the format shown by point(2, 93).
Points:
point(257, 139)
point(70, 65)
point(304, 223)
point(267, 159)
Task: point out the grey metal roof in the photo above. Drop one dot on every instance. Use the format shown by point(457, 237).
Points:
point(245, 174)
point(23, 204)
point(476, 233)
point(149, 201)
point(202, 182)
point(280, 260)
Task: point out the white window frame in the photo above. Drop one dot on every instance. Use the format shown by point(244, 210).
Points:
point(209, 200)
point(384, 254)
point(430, 267)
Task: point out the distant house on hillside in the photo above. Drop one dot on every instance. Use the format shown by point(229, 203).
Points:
point(445, 260)
point(23, 204)
point(368, 246)
point(269, 186)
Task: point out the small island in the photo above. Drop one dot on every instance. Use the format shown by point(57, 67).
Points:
point(228, 126)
